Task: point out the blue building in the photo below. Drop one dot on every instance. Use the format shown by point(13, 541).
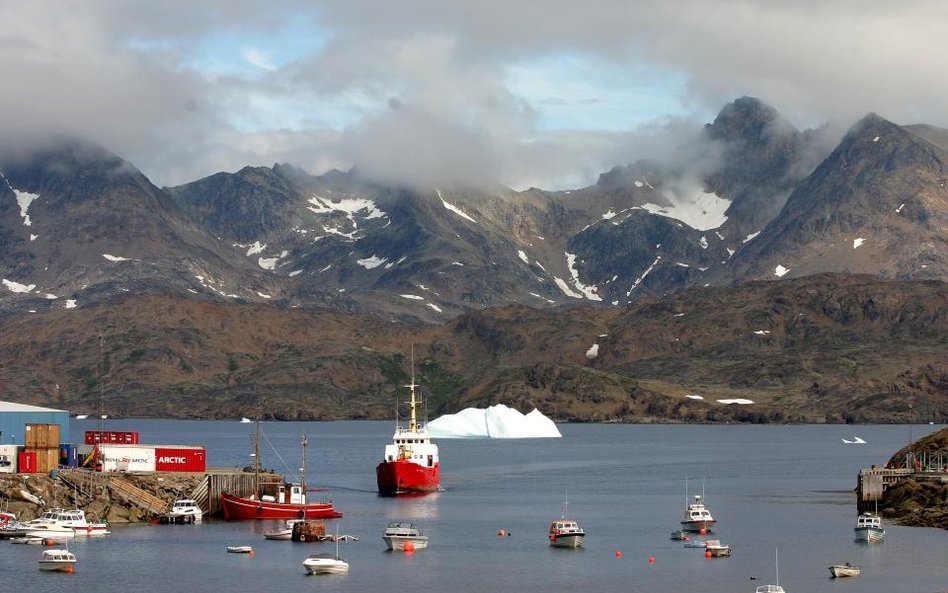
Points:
point(14, 418)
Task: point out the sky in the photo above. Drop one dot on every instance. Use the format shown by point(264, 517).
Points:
point(534, 93)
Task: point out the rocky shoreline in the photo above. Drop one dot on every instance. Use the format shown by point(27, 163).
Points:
point(29, 495)
point(920, 501)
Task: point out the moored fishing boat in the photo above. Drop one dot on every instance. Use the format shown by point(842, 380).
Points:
point(566, 533)
point(869, 528)
point(289, 502)
point(697, 517)
point(410, 464)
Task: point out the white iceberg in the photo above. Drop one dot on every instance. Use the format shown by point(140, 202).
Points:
point(496, 422)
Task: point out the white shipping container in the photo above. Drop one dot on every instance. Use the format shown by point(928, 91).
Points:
point(127, 458)
point(8, 459)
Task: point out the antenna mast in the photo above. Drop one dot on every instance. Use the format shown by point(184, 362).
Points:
point(413, 422)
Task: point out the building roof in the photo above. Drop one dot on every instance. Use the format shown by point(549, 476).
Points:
point(15, 407)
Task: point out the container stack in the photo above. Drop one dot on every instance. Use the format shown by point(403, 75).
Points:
point(41, 443)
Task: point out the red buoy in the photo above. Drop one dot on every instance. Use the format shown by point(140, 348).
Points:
point(618, 553)
point(651, 559)
point(409, 547)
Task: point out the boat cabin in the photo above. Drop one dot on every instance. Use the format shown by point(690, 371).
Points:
point(415, 447)
point(402, 529)
point(564, 526)
point(868, 520)
point(287, 494)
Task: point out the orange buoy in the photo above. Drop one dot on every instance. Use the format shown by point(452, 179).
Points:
point(707, 553)
point(71, 569)
point(501, 533)
point(250, 553)
point(703, 531)
point(651, 559)
point(409, 547)
point(618, 553)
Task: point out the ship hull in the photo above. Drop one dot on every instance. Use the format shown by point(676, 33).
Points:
point(404, 477)
point(236, 508)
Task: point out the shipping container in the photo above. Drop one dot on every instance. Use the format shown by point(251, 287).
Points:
point(180, 459)
point(8, 459)
point(41, 436)
point(126, 458)
point(68, 455)
point(111, 437)
point(46, 459)
point(26, 462)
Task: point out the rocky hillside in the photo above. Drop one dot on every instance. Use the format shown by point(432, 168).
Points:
point(817, 349)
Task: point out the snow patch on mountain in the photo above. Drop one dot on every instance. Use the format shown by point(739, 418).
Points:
point(371, 262)
point(496, 422)
point(704, 212)
point(454, 208)
point(115, 258)
point(17, 287)
point(590, 292)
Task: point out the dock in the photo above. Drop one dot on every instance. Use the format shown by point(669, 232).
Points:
point(922, 466)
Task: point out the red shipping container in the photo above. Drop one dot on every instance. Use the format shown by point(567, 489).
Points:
point(111, 437)
point(27, 462)
point(180, 459)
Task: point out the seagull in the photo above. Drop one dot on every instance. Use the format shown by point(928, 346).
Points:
point(847, 442)
point(858, 440)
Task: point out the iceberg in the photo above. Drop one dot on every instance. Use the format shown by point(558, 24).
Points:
point(495, 422)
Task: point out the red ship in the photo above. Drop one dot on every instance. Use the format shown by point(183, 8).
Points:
point(411, 463)
point(289, 502)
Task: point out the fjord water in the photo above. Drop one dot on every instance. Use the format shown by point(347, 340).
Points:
point(770, 487)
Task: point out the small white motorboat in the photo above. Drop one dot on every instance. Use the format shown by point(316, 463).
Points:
point(185, 510)
point(401, 536)
point(716, 549)
point(240, 549)
point(61, 560)
point(844, 570)
point(284, 533)
point(325, 564)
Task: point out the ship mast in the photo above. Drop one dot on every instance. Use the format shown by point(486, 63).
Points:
point(413, 423)
point(256, 461)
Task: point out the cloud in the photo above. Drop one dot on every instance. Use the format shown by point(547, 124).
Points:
point(546, 94)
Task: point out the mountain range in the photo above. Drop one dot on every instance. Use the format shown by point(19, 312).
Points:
point(83, 233)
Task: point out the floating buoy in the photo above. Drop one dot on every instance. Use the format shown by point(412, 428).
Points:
point(250, 553)
point(707, 553)
point(501, 533)
point(409, 547)
point(618, 553)
point(71, 569)
point(703, 531)
point(49, 542)
point(651, 559)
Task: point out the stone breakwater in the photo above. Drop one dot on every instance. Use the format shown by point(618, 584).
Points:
point(29, 495)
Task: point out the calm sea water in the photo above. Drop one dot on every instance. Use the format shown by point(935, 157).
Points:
point(786, 488)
